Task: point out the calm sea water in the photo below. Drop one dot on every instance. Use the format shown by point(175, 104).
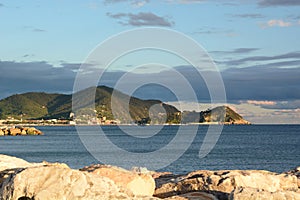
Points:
point(270, 147)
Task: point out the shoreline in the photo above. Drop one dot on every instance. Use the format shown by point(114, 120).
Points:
point(40, 181)
point(189, 124)
point(93, 125)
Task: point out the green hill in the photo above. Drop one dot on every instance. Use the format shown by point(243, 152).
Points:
point(138, 109)
point(28, 105)
point(37, 105)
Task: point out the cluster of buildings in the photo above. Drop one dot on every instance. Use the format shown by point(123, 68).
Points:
point(84, 120)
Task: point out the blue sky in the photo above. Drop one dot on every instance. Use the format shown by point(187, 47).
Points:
point(255, 45)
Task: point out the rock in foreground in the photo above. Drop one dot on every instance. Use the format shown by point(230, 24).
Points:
point(43, 181)
point(230, 184)
point(51, 182)
point(255, 194)
point(137, 183)
point(20, 179)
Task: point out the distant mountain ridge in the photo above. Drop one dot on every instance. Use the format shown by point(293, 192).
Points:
point(40, 105)
point(35, 105)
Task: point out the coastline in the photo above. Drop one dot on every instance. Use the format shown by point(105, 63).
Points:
point(185, 124)
point(21, 179)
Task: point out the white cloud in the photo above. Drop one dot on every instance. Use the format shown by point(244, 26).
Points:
point(186, 1)
point(280, 23)
point(139, 4)
point(133, 3)
point(254, 102)
point(276, 22)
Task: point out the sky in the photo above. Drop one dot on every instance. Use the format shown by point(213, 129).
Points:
point(254, 44)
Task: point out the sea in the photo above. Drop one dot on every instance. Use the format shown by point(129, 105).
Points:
point(265, 147)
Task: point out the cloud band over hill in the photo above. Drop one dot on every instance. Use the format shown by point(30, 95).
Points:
point(258, 83)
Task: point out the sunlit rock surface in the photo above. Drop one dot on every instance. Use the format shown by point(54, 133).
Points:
point(21, 180)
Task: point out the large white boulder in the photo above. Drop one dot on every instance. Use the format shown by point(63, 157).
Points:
point(138, 183)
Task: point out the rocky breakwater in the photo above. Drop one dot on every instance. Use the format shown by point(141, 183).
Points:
point(21, 180)
point(19, 130)
point(230, 185)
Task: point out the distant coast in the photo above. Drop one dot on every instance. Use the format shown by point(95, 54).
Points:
point(39, 108)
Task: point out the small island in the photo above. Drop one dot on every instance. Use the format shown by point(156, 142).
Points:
point(218, 115)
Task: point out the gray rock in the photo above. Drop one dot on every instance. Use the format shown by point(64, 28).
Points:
point(257, 194)
point(222, 183)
